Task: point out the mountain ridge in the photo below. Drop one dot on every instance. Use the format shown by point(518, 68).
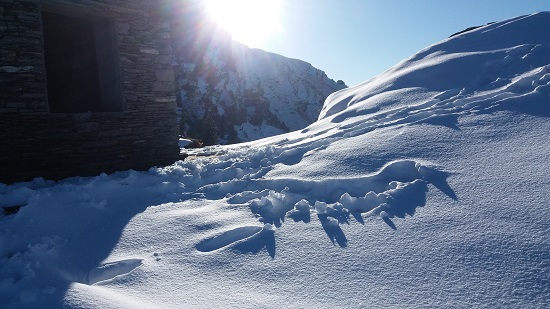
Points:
point(232, 93)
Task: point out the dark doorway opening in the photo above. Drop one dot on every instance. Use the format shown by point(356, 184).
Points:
point(81, 64)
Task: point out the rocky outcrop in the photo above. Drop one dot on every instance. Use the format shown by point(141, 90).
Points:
point(231, 93)
point(468, 29)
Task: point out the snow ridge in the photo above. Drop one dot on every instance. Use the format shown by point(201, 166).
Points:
point(492, 64)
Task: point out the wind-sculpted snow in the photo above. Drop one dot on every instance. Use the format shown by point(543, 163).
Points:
point(493, 58)
point(426, 187)
point(234, 177)
point(397, 189)
point(522, 92)
point(111, 270)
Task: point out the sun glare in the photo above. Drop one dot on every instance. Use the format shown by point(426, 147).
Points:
point(248, 21)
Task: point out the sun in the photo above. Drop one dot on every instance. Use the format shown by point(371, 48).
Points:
point(248, 21)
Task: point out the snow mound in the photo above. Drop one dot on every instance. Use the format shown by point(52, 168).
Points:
point(506, 60)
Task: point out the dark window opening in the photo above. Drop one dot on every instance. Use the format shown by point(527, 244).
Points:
point(81, 64)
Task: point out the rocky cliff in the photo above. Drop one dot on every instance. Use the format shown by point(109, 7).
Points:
point(230, 93)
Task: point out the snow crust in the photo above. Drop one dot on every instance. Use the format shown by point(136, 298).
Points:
point(426, 186)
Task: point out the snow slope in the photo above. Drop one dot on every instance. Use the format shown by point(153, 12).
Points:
point(426, 186)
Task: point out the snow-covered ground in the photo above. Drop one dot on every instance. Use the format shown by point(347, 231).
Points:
point(427, 186)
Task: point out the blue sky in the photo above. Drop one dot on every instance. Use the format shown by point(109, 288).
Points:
point(355, 40)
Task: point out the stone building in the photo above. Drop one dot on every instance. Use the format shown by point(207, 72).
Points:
point(86, 86)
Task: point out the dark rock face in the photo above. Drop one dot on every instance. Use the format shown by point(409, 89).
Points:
point(468, 29)
point(132, 127)
point(230, 93)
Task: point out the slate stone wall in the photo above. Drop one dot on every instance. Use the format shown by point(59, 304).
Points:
point(37, 143)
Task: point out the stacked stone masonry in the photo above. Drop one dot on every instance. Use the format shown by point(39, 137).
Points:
point(35, 142)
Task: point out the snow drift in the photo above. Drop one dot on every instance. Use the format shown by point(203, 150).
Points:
point(491, 59)
point(426, 186)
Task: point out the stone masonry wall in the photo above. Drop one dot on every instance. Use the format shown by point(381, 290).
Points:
point(37, 143)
